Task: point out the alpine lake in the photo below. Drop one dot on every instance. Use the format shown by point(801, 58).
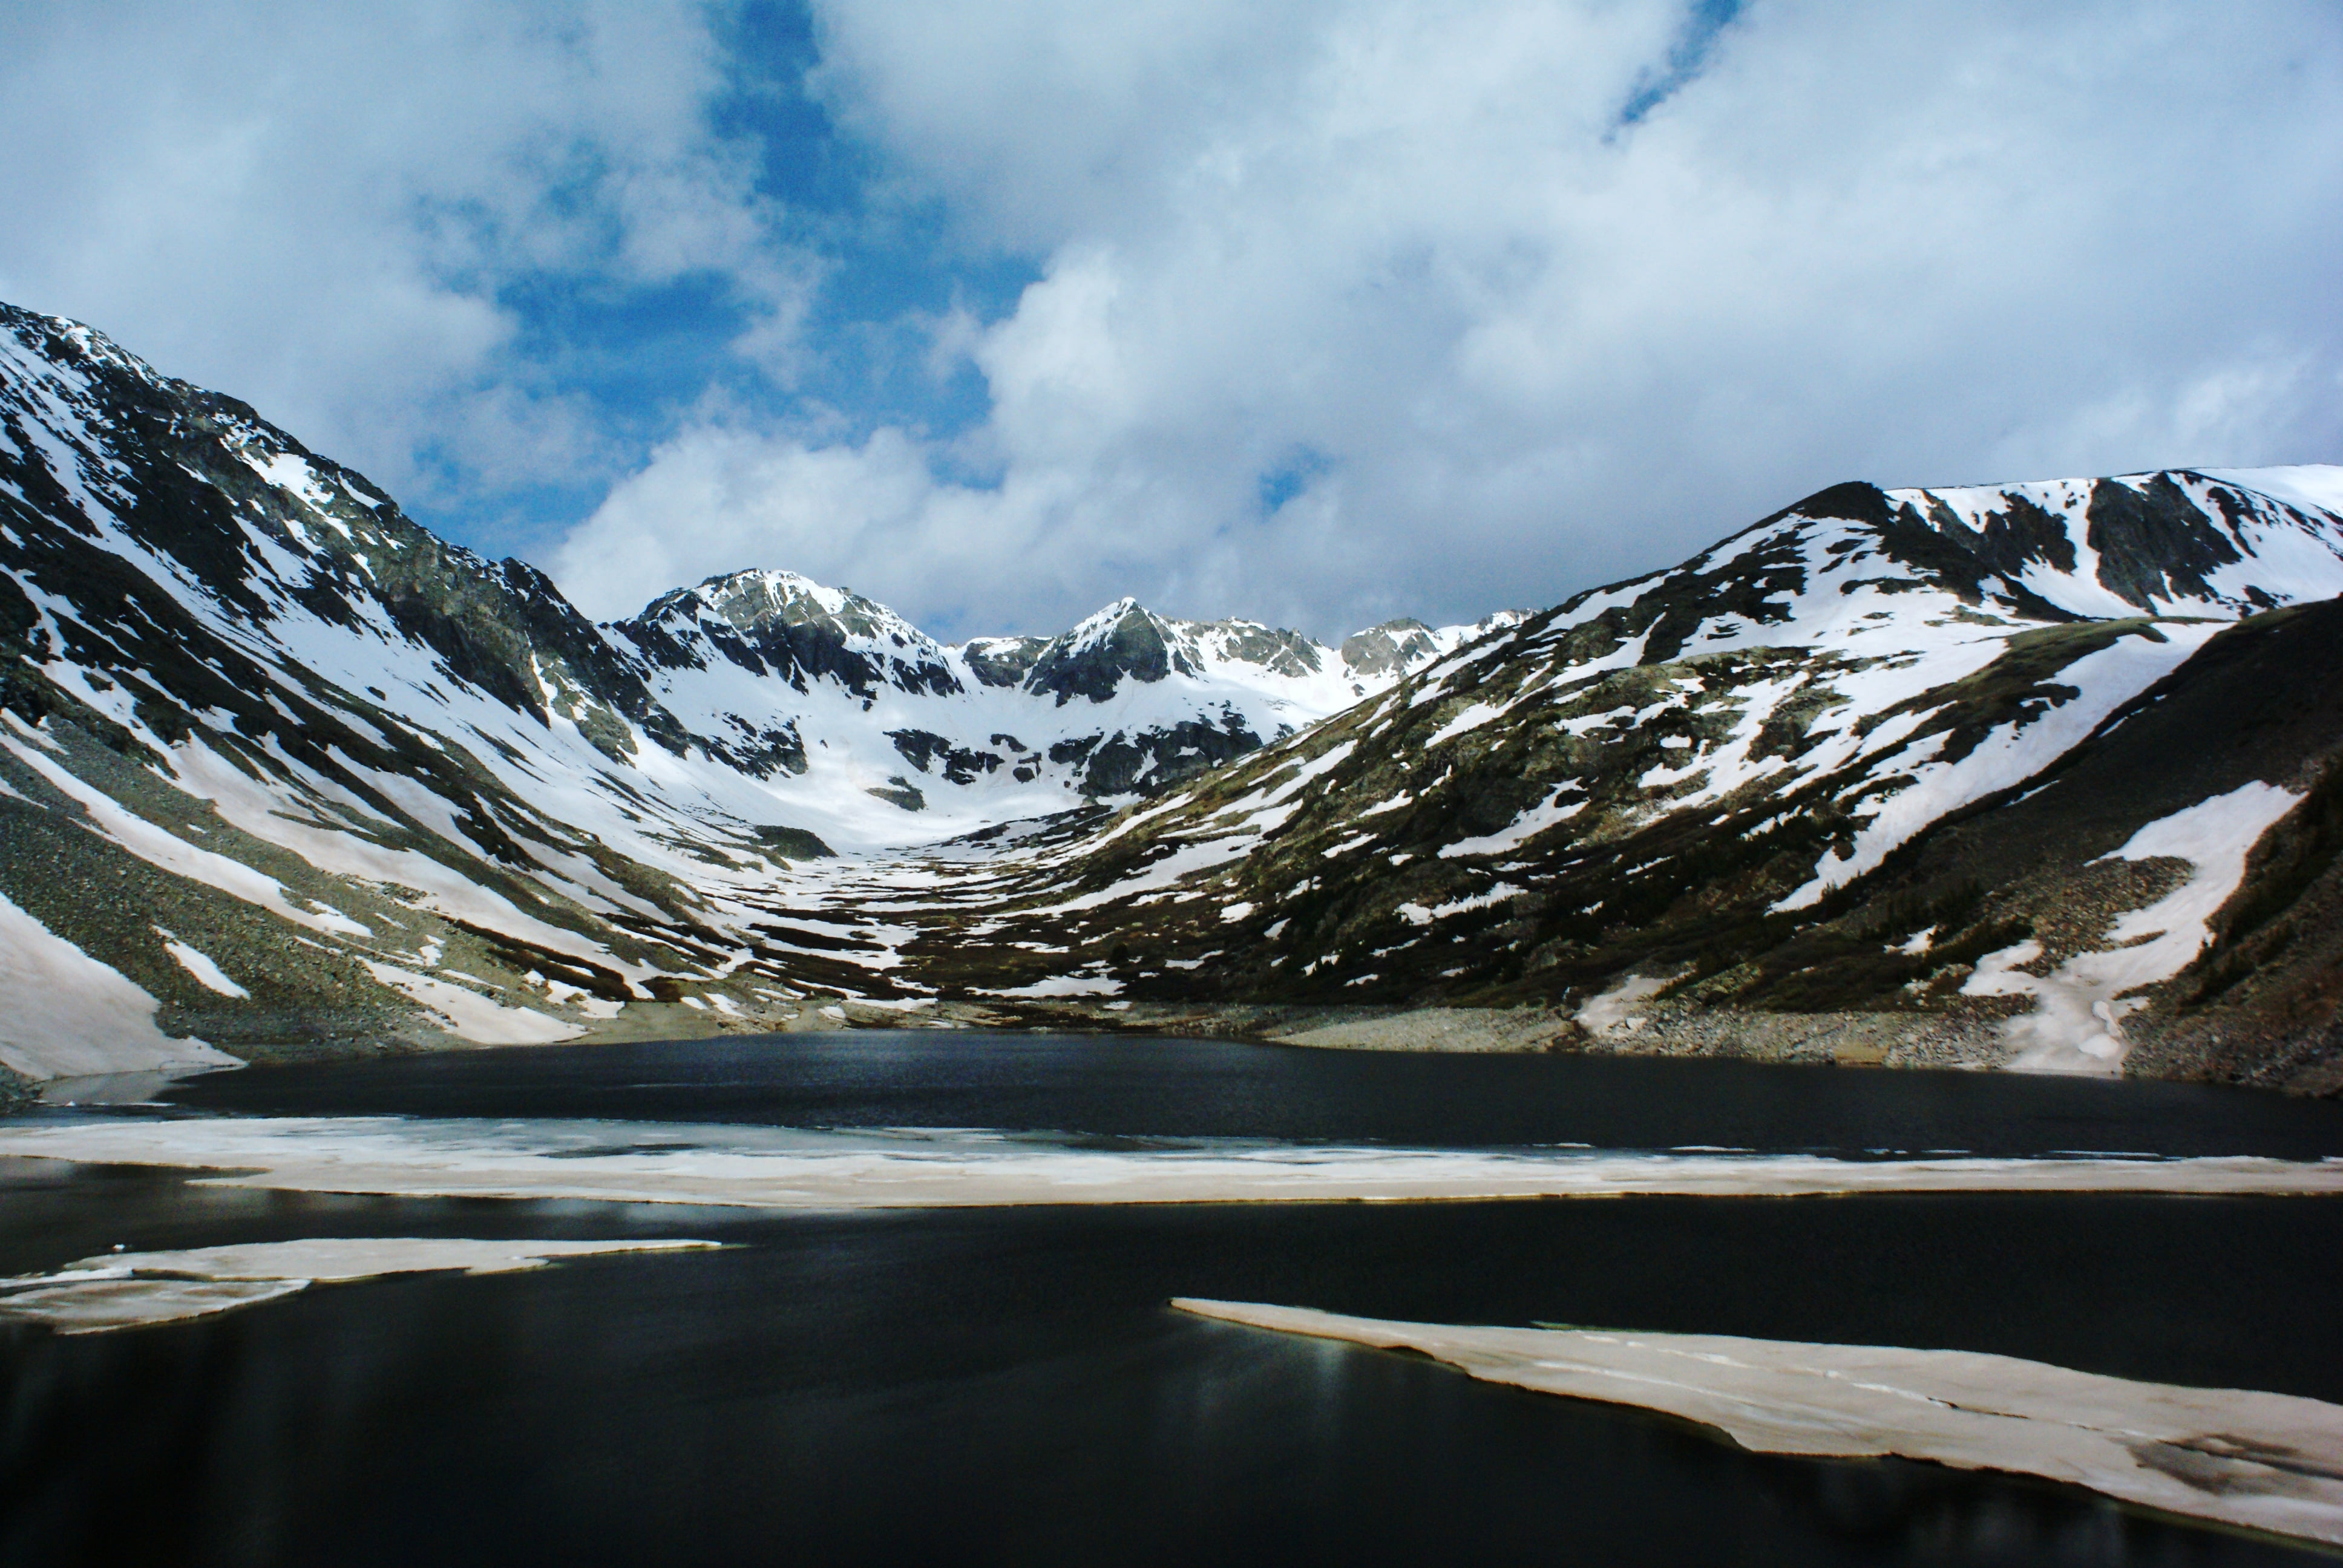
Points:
point(1007, 1382)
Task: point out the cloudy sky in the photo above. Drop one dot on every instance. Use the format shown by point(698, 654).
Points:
point(1314, 311)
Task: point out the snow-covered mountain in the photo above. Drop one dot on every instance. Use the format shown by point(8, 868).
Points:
point(246, 695)
point(2038, 772)
point(1125, 702)
point(1897, 763)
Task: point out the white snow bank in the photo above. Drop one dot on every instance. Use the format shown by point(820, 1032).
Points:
point(2076, 1024)
point(1527, 826)
point(1471, 718)
point(293, 475)
point(2009, 755)
point(445, 891)
point(1497, 893)
point(166, 852)
point(63, 1014)
point(1611, 1015)
point(1061, 985)
point(2273, 1465)
point(2319, 485)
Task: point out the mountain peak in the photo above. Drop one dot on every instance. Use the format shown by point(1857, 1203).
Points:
point(760, 595)
point(1392, 648)
point(768, 621)
point(2168, 541)
point(1125, 639)
point(1093, 657)
point(48, 335)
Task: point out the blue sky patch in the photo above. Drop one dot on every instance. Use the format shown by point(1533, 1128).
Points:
point(1688, 58)
point(1290, 478)
point(889, 269)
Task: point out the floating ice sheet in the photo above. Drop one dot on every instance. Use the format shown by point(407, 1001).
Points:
point(2261, 1460)
point(133, 1289)
point(785, 1167)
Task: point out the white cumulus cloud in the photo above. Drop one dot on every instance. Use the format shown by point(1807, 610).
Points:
point(314, 208)
point(1341, 309)
point(1360, 307)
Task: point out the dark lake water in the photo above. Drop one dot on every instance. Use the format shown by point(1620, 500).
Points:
point(1113, 1085)
point(1008, 1386)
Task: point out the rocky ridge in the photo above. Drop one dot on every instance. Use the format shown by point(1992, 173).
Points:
point(1126, 702)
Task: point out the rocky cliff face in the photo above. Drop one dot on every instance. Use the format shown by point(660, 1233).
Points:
point(1394, 647)
point(161, 514)
point(1002, 660)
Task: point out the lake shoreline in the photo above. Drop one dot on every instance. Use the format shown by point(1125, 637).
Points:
point(1966, 1042)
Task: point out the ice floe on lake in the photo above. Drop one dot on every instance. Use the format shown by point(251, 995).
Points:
point(133, 1290)
point(793, 1169)
point(2258, 1461)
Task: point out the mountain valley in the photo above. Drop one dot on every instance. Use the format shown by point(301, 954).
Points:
point(2036, 774)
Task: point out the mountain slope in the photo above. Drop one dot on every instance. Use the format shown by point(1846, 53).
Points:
point(218, 653)
point(299, 774)
point(1755, 775)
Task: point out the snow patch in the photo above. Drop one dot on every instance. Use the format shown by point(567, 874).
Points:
point(1061, 985)
point(206, 973)
point(1527, 826)
point(2076, 1024)
point(1610, 1015)
point(63, 1014)
point(468, 1015)
point(1471, 718)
